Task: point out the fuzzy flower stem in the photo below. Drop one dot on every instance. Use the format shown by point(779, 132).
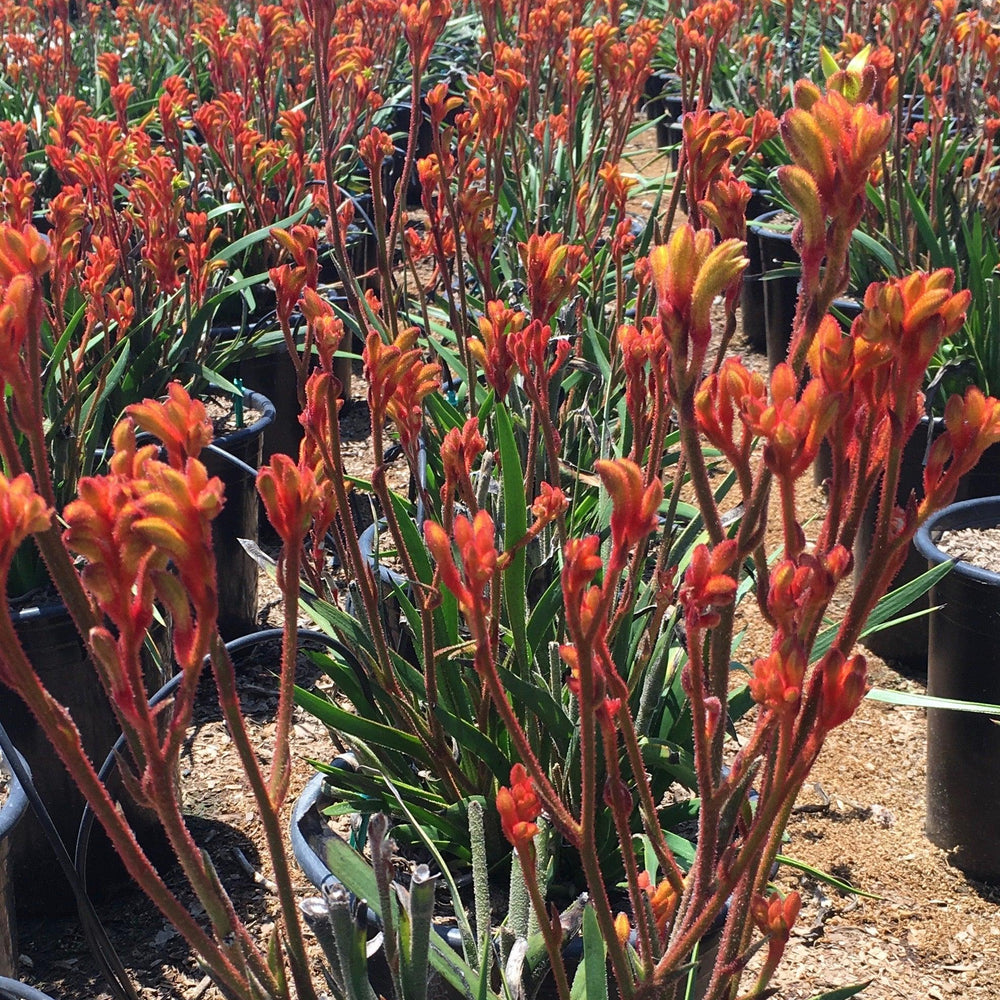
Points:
point(225, 680)
point(281, 761)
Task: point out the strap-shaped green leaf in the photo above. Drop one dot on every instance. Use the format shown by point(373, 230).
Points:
point(515, 514)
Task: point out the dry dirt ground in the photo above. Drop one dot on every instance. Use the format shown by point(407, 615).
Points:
point(925, 930)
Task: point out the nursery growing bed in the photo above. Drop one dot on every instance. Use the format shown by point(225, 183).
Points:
point(932, 934)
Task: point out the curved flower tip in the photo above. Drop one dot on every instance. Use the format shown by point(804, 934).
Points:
point(635, 507)
point(688, 273)
point(553, 269)
point(176, 516)
point(180, 423)
point(476, 543)
point(22, 513)
point(775, 918)
point(23, 251)
point(459, 451)
point(291, 497)
point(519, 808)
point(24, 258)
point(580, 565)
point(777, 679)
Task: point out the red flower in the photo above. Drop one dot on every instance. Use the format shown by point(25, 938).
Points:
point(635, 507)
point(22, 512)
point(707, 586)
point(548, 505)
point(777, 679)
point(519, 809)
point(493, 350)
point(792, 428)
point(180, 423)
point(721, 404)
point(398, 381)
point(476, 543)
point(843, 685)
point(775, 918)
point(459, 451)
point(24, 259)
point(291, 497)
point(553, 269)
point(688, 273)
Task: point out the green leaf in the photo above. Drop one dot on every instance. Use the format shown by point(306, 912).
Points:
point(238, 246)
point(822, 876)
point(515, 513)
point(931, 701)
point(363, 729)
point(887, 610)
point(357, 875)
point(541, 624)
point(473, 740)
point(591, 979)
point(844, 992)
point(534, 695)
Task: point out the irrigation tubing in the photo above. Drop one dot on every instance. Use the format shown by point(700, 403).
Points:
point(234, 646)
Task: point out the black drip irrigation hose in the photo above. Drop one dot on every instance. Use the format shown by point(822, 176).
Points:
point(234, 646)
point(93, 930)
point(10, 989)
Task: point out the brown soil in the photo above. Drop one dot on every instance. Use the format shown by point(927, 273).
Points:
point(925, 931)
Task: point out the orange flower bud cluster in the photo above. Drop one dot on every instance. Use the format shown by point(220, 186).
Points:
point(791, 427)
point(635, 505)
point(834, 146)
point(777, 678)
point(688, 273)
point(552, 269)
point(180, 423)
point(22, 512)
point(519, 809)
point(459, 451)
point(24, 259)
point(492, 349)
point(775, 918)
point(476, 543)
point(398, 381)
point(707, 584)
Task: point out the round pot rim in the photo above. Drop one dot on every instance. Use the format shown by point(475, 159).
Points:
point(761, 226)
point(927, 547)
point(267, 414)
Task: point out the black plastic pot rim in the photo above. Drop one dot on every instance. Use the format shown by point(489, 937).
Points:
point(266, 418)
point(959, 515)
point(317, 872)
point(761, 226)
point(320, 876)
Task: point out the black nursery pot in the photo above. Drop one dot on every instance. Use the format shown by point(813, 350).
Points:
point(780, 293)
point(963, 749)
point(752, 293)
point(11, 812)
point(57, 655)
point(10, 988)
point(237, 572)
point(907, 643)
